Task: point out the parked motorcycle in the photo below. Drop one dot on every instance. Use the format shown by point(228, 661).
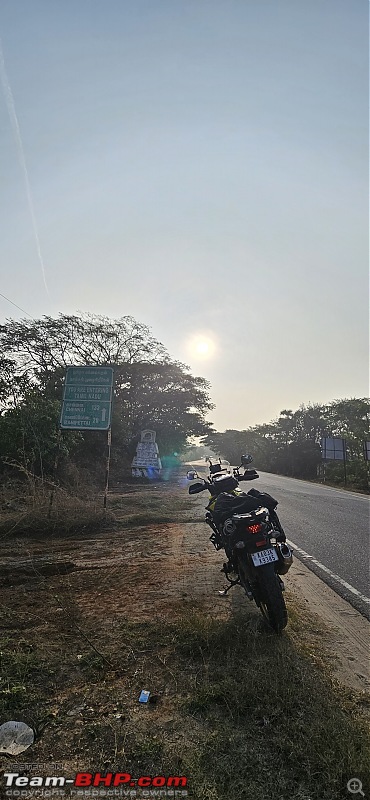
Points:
point(247, 527)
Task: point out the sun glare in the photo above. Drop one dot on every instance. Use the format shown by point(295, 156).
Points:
point(201, 346)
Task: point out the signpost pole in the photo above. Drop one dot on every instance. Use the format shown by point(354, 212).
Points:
point(55, 465)
point(366, 445)
point(109, 443)
point(344, 461)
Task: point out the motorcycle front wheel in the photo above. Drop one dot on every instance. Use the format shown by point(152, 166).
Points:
point(271, 600)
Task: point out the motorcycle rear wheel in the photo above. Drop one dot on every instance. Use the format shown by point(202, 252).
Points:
point(271, 600)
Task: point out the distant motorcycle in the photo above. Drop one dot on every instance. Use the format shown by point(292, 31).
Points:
point(248, 528)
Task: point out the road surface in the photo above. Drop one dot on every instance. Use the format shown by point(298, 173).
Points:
point(330, 526)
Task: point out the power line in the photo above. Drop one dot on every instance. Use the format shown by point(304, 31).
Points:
point(14, 304)
point(9, 100)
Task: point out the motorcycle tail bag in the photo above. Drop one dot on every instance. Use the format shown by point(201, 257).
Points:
point(228, 504)
point(264, 499)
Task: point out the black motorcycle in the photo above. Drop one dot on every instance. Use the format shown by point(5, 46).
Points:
point(248, 528)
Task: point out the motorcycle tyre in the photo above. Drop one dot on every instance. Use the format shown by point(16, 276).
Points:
point(272, 603)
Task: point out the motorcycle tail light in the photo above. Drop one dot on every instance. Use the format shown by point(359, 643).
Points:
point(255, 528)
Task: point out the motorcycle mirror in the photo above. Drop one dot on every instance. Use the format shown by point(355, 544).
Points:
point(195, 488)
point(247, 459)
point(191, 475)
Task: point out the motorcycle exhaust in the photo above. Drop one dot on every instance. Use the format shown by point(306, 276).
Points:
point(285, 556)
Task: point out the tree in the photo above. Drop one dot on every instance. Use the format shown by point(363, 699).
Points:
point(290, 445)
point(150, 389)
point(42, 349)
point(349, 419)
point(162, 396)
point(29, 435)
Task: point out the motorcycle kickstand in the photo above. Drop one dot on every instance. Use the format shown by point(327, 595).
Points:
point(223, 592)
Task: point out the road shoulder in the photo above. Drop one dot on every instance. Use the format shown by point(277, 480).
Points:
point(347, 632)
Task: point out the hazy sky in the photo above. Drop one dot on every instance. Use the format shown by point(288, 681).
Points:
point(202, 166)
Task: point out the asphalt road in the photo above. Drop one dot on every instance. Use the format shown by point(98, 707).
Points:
point(331, 526)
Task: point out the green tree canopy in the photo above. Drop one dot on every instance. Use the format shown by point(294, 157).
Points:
point(290, 445)
point(151, 390)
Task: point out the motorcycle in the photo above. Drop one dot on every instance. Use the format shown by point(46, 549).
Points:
point(247, 527)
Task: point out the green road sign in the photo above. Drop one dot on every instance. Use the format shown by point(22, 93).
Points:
point(87, 401)
point(78, 415)
point(100, 393)
point(89, 376)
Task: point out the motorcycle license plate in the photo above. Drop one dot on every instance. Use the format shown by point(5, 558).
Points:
point(264, 557)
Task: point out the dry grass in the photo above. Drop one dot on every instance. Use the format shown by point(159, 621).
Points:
point(42, 509)
point(148, 505)
point(242, 713)
point(38, 508)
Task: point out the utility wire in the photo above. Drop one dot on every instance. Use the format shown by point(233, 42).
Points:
point(9, 100)
point(14, 304)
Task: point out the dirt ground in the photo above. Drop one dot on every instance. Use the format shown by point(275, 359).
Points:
point(73, 593)
point(153, 571)
point(347, 632)
point(63, 597)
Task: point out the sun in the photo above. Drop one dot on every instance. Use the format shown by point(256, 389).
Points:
point(201, 346)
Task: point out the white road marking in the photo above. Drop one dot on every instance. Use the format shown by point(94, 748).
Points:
point(329, 572)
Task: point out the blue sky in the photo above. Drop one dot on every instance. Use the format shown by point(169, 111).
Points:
point(202, 166)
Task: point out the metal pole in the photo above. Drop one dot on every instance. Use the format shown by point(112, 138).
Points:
point(57, 452)
point(367, 463)
point(109, 442)
point(344, 461)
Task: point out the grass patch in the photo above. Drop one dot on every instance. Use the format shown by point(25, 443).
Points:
point(24, 512)
point(271, 720)
point(25, 679)
point(255, 717)
point(150, 505)
point(30, 513)
point(240, 712)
